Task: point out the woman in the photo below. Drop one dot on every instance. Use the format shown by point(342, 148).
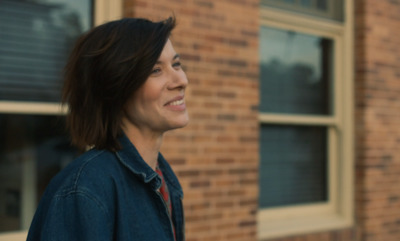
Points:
point(125, 87)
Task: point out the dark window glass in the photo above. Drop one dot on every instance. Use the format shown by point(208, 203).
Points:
point(33, 148)
point(306, 3)
point(293, 168)
point(35, 39)
point(296, 73)
point(322, 5)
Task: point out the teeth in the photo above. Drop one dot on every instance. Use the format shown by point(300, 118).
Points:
point(177, 102)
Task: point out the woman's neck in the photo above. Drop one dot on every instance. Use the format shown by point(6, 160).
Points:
point(147, 143)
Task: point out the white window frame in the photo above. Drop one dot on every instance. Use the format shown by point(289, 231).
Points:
point(104, 10)
point(338, 211)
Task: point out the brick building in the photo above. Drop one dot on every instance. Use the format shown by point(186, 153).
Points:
point(294, 128)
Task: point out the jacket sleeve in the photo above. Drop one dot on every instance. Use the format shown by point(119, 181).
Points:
point(76, 216)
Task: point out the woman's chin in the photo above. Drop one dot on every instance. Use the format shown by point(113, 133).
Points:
point(184, 121)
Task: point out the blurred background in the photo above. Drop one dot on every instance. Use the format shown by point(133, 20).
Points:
point(294, 108)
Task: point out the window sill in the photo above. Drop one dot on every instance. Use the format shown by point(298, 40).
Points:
point(289, 226)
point(14, 236)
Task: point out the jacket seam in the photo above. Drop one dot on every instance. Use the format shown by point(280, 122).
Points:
point(75, 185)
point(85, 195)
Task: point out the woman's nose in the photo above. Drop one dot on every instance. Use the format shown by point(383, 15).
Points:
point(178, 80)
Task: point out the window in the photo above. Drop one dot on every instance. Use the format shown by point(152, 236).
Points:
point(328, 9)
point(305, 120)
point(35, 40)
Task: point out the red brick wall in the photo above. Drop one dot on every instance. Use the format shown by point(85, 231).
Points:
point(216, 155)
point(377, 119)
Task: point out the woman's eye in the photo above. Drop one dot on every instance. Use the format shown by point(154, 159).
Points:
point(177, 64)
point(156, 71)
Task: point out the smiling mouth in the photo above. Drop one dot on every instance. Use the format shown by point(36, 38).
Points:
point(177, 102)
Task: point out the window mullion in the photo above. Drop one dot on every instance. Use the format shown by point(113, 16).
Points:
point(107, 10)
point(299, 119)
point(22, 107)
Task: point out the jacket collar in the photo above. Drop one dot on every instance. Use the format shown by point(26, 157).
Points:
point(169, 175)
point(130, 157)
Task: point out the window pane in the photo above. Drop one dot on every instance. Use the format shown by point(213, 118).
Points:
point(293, 168)
point(32, 150)
point(329, 9)
point(306, 3)
point(35, 38)
point(322, 4)
point(296, 73)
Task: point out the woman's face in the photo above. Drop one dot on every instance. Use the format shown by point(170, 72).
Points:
point(159, 104)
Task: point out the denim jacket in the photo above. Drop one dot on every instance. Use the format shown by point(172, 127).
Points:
point(105, 195)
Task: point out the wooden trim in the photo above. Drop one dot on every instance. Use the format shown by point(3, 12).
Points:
point(306, 24)
point(40, 108)
point(106, 10)
point(265, 118)
point(272, 214)
point(347, 138)
point(14, 236)
point(311, 222)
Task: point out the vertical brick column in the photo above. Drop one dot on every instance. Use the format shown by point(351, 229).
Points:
point(377, 119)
point(216, 155)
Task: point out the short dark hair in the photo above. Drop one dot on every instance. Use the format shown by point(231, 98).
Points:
point(106, 66)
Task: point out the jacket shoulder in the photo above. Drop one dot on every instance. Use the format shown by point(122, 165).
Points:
point(89, 172)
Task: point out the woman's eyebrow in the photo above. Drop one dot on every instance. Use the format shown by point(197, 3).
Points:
point(176, 56)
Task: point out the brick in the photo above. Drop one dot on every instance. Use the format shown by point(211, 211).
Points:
point(377, 64)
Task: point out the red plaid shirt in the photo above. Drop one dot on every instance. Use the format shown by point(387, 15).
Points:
point(165, 194)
